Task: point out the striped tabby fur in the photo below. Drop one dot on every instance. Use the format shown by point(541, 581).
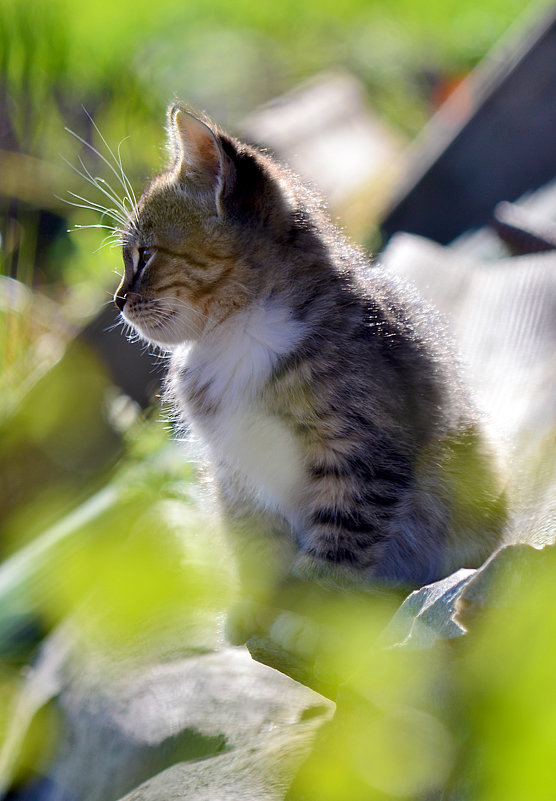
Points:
point(336, 430)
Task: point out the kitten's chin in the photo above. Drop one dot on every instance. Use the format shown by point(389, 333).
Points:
point(163, 339)
point(158, 335)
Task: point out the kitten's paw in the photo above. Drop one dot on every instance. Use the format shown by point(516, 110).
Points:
point(245, 619)
point(295, 634)
point(304, 567)
point(326, 575)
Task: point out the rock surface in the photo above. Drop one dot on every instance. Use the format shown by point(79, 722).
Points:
point(208, 721)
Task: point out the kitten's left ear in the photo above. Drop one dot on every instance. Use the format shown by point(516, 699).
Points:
point(198, 153)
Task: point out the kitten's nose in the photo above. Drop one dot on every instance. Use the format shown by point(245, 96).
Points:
point(120, 299)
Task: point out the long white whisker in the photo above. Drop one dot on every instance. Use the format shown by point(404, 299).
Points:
point(120, 210)
point(109, 241)
point(103, 158)
point(111, 189)
point(102, 210)
point(122, 177)
point(106, 189)
point(112, 243)
point(86, 175)
point(118, 322)
point(92, 206)
point(78, 227)
point(128, 182)
point(124, 210)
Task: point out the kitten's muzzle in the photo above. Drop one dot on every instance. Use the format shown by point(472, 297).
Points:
point(121, 297)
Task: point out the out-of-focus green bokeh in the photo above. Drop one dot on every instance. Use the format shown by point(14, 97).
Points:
point(98, 509)
point(124, 62)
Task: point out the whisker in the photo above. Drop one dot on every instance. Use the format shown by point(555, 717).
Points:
point(118, 323)
point(126, 210)
point(121, 219)
point(168, 303)
point(162, 323)
point(114, 239)
point(86, 175)
point(99, 154)
point(91, 206)
point(109, 241)
point(103, 186)
point(170, 326)
point(78, 227)
point(123, 179)
point(128, 182)
point(98, 210)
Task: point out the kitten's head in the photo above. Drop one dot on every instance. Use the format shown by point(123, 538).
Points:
point(194, 245)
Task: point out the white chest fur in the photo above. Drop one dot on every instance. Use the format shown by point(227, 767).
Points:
point(264, 455)
point(232, 365)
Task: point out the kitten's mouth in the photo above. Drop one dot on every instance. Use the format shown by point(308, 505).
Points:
point(158, 328)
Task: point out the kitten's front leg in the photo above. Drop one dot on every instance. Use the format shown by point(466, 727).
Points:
point(264, 553)
point(356, 506)
point(341, 547)
point(333, 560)
point(247, 618)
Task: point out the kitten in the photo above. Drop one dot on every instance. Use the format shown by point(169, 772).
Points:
point(336, 431)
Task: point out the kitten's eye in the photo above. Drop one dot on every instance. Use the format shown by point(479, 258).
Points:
point(145, 255)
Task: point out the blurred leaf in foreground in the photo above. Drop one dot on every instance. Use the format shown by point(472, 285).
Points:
point(507, 696)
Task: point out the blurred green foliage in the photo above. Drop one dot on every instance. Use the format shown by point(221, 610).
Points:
point(100, 514)
point(471, 718)
point(125, 61)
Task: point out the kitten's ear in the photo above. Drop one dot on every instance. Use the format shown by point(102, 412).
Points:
point(197, 151)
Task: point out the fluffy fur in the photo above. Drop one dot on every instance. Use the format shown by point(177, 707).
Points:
point(336, 430)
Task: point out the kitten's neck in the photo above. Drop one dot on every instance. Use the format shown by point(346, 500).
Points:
point(233, 360)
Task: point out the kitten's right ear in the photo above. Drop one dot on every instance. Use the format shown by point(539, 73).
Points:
point(198, 154)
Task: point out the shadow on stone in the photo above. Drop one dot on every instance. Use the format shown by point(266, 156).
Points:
point(187, 746)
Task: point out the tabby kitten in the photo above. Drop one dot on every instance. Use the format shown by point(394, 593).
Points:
point(336, 432)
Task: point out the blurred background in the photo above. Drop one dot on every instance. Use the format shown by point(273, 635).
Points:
point(343, 92)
